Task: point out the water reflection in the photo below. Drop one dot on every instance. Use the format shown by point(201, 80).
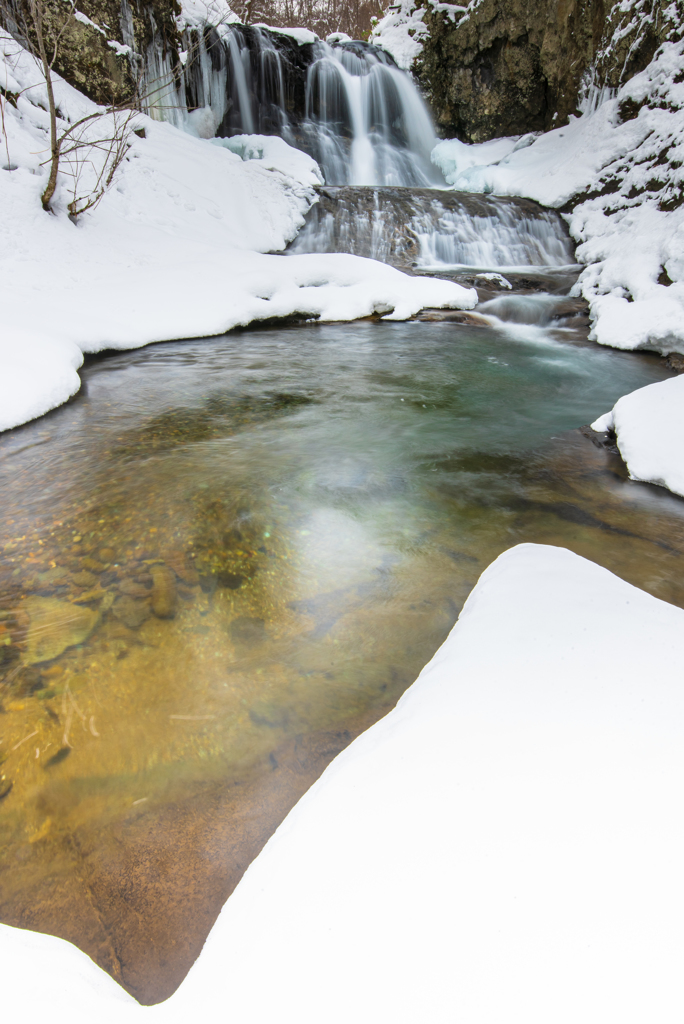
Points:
point(226, 558)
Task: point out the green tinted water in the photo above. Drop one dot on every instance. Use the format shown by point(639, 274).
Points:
point(226, 557)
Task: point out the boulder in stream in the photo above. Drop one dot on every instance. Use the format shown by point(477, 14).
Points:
point(163, 591)
point(55, 625)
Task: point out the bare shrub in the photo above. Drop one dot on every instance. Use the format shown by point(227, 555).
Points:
point(321, 16)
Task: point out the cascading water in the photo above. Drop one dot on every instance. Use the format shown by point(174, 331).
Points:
point(430, 229)
point(366, 123)
point(347, 104)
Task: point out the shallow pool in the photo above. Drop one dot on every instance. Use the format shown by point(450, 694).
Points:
point(227, 557)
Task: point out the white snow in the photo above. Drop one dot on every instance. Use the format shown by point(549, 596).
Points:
point(302, 36)
point(119, 48)
point(620, 168)
point(273, 154)
point(401, 32)
point(176, 249)
point(199, 13)
point(504, 846)
point(496, 279)
point(649, 424)
point(85, 20)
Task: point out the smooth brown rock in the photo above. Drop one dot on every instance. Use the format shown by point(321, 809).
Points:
point(92, 564)
point(131, 612)
point(134, 589)
point(55, 625)
point(164, 595)
point(84, 578)
point(182, 566)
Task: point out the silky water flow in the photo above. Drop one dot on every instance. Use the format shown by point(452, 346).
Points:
point(225, 558)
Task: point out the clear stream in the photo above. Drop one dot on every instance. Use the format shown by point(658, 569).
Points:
point(226, 557)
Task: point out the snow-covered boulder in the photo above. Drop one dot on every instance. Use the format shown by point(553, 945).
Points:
point(649, 425)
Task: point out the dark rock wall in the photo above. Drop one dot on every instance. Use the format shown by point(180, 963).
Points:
point(507, 67)
point(84, 54)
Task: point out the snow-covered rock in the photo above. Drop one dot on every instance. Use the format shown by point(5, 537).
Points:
point(401, 32)
point(504, 845)
point(620, 167)
point(649, 424)
point(177, 248)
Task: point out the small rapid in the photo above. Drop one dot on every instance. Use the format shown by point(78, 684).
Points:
point(430, 229)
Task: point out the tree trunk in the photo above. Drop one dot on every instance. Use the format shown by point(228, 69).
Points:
point(37, 14)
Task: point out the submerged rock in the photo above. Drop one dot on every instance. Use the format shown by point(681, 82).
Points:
point(55, 625)
point(131, 612)
point(248, 631)
point(84, 578)
point(164, 595)
point(133, 588)
point(52, 578)
point(182, 566)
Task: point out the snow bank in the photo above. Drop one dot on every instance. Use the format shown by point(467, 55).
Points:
point(619, 168)
point(273, 154)
point(649, 424)
point(176, 249)
point(504, 845)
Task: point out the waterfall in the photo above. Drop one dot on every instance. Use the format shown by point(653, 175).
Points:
point(429, 229)
point(240, 66)
point(345, 103)
point(365, 120)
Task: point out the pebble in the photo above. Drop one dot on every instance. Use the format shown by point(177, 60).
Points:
point(92, 564)
point(84, 578)
point(53, 577)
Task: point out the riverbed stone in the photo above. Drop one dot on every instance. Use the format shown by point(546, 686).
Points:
point(55, 625)
point(130, 612)
point(182, 566)
point(84, 578)
point(164, 597)
point(133, 588)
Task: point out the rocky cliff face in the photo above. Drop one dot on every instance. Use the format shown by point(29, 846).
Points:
point(102, 45)
point(506, 67)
